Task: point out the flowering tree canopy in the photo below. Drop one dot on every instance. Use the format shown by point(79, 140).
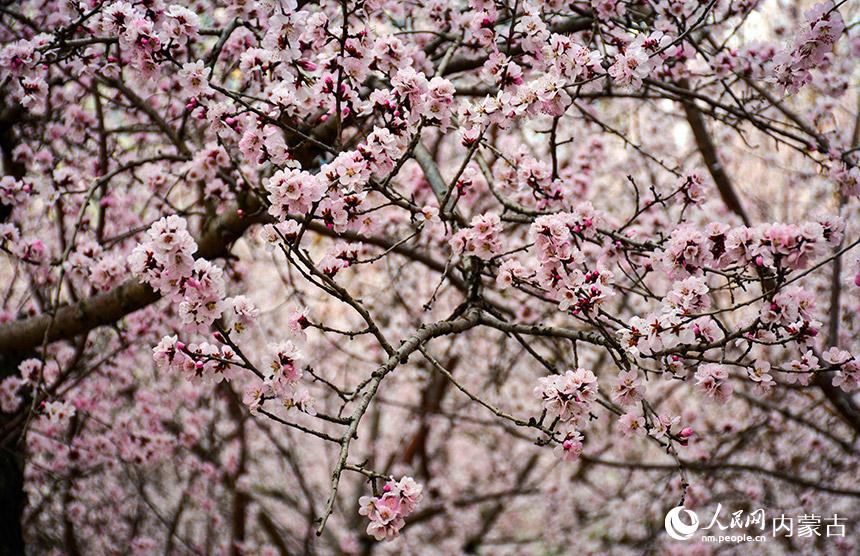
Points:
point(430, 277)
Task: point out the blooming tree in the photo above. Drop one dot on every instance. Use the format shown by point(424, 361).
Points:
point(357, 276)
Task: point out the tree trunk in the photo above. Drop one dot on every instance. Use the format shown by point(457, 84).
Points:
point(12, 497)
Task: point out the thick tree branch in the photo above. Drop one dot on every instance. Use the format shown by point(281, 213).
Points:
point(712, 161)
point(107, 308)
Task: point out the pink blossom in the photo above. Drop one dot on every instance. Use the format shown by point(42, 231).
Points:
point(569, 395)
point(570, 448)
point(630, 67)
point(480, 239)
point(292, 191)
point(631, 424)
point(713, 381)
point(387, 513)
point(629, 388)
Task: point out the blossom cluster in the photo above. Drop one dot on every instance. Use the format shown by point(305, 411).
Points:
point(198, 362)
point(480, 239)
point(558, 240)
point(387, 513)
point(811, 49)
point(166, 258)
point(568, 397)
point(12, 191)
point(637, 60)
point(676, 323)
point(165, 261)
point(713, 380)
point(770, 248)
point(282, 381)
point(89, 263)
point(33, 372)
point(292, 191)
point(847, 376)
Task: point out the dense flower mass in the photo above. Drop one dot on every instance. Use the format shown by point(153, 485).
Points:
point(559, 266)
point(568, 399)
point(166, 260)
point(480, 239)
